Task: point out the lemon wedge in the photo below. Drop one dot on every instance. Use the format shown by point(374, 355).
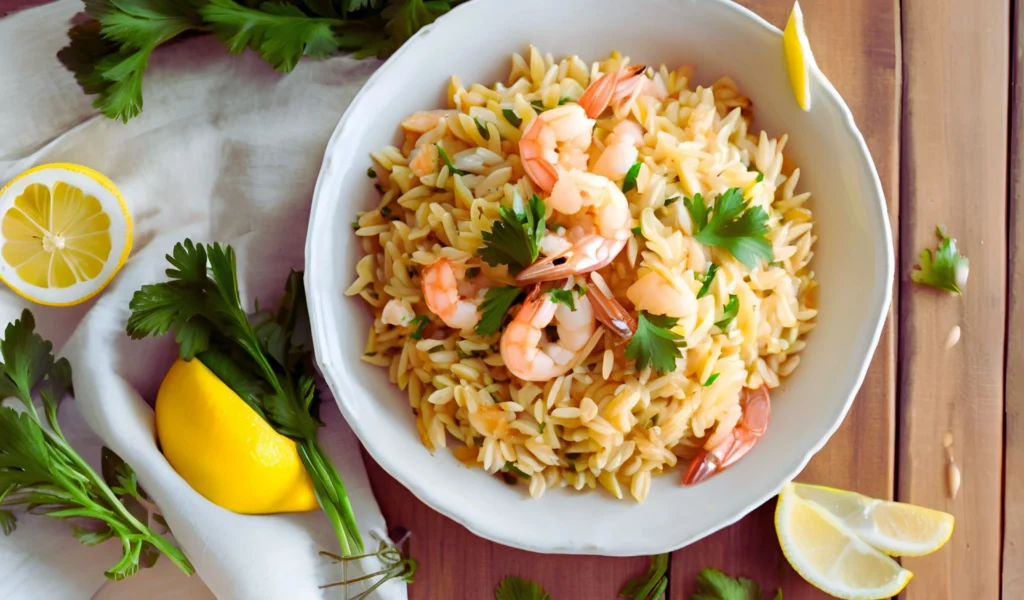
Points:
point(825, 552)
point(798, 57)
point(896, 528)
point(65, 233)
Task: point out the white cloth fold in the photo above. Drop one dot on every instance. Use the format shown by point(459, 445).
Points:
point(225, 150)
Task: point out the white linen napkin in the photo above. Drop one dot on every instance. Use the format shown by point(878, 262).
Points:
point(225, 150)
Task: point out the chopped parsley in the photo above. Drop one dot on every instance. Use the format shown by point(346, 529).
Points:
point(710, 380)
point(560, 296)
point(731, 226)
point(760, 177)
point(355, 224)
point(654, 344)
point(472, 272)
point(629, 183)
point(370, 172)
point(541, 426)
point(732, 308)
point(636, 230)
point(581, 289)
point(706, 279)
point(538, 106)
point(510, 467)
point(420, 321)
point(946, 270)
point(515, 238)
point(565, 99)
point(496, 304)
point(512, 117)
point(481, 127)
point(385, 211)
point(670, 201)
point(448, 162)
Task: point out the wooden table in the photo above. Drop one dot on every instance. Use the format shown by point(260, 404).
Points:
point(929, 84)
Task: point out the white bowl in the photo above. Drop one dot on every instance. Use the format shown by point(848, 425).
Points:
point(853, 262)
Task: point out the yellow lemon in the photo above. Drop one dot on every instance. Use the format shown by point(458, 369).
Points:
point(798, 57)
point(829, 555)
point(223, 449)
point(66, 232)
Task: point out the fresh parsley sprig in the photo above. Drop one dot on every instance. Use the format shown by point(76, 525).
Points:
point(514, 239)
point(946, 270)
point(266, 358)
point(655, 344)
point(40, 471)
point(729, 312)
point(712, 584)
point(109, 52)
point(652, 584)
point(730, 225)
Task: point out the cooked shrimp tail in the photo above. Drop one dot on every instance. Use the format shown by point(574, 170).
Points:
point(590, 253)
point(610, 87)
point(751, 428)
point(610, 313)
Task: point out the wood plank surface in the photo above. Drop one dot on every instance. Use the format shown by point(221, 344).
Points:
point(954, 173)
point(1013, 472)
point(856, 44)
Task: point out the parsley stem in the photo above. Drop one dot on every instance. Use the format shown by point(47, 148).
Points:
point(330, 492)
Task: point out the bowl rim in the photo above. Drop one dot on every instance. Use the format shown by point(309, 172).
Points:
point(481, 529)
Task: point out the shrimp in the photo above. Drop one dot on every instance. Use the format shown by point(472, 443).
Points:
point(620, 152)
point(424, 160)
point(525, 348)
point(610, 313)
point(558, 137)
point(616, 86)
point(757, 415)
point(444, 298)
point(599, 231)
point(661, 293)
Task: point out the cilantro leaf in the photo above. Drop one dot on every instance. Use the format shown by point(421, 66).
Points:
point(710, 380)
point(420, 321)
point(629, 183)
point(560, 296)
point(496, 304)
point(706, 279)
point(511, 116)
point(946, 270)
point(733, 227)
point(729, 312)
point(654, 343)
point(517, 588)
point(448, 162)
point(514, 240)
point(652, 584)
point(712, 584)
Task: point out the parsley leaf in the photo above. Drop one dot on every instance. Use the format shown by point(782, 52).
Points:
point(706, 279)
point(420, 321)
point(732, 227)
point(510, 467)
point(654, 343)
point(652, 584)
point(636, 230)
point(40, 472)
point(448, 162)
point(481, 127)
point(511, 116)
point(729, 312)
point(946, 270)
point(517, 588)
point(629, 183)
point(710, 380)
point(712, 584)
point(560, 296)
point(496, 304)
point(760, 177)
point(109, 52)
point(514, 240)
point(581, 289)
point(538, 106)
point(670, 201)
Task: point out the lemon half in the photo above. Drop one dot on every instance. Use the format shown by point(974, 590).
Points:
point(66, 231)
point(799, 57)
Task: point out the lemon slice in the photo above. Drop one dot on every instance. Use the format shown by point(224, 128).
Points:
point(896, 528)
point(830, 556)
point(66, 232)
point(798, 57)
